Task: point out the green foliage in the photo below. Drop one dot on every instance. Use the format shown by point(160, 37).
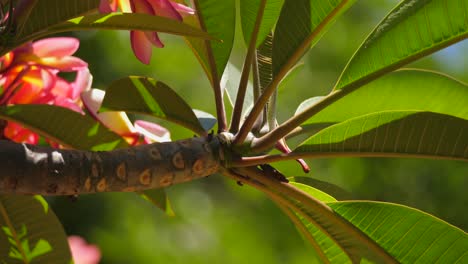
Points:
point(300, 25)
point(159, 198)
point(408, 89)
point(31, 233)
point(393, 133)
point(407, 113)
point(46, 14)
point(249, 10)
point(411, 236)
point(56, 123)
point(217, 19)
point(148, 96)
point(412, 30)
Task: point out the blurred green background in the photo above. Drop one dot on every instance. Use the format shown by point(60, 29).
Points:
point(218, 221)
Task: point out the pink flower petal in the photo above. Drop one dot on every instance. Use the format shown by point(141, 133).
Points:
point(66, 64)
point(141, 6)
point(82, 252)
point(55, 47)
point(67, 103)
point(152, 132)
point(183, 9)
point(164, 8)
point(82, 82)
point(154, 39)
point(141, 46)
point(107, 6)
point(115, 121)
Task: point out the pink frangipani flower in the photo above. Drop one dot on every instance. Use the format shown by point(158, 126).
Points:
point(141, 132)
point(30, 75)
point(82, 252)
point(143, 41)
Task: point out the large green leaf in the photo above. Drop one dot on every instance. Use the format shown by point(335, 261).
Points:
point(300, 25)
point(30, 232)
point(122, 21)
point(393, 134)
point(248, 13)
point(407, 89)
point(218, 19)
point(334, 228)
point(400, 90)
point(148, 96)
point(411, 236)
point(64, 126)
point(415, 28)
point(52, 12)
point(339, 241)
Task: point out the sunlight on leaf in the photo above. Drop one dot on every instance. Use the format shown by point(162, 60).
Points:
point(394, 133)
point(30, 233)
point(148, 96)
point(410, 235)
point(50, 121)
point(414, 29)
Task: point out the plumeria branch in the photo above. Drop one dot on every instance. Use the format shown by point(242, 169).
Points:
point(31, 169)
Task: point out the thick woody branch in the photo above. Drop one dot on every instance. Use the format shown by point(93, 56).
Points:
point(30, 169)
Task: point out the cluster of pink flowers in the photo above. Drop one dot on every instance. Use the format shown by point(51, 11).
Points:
point(30, 74)
point(142, 41)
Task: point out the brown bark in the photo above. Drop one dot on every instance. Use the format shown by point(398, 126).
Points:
point(29, 169)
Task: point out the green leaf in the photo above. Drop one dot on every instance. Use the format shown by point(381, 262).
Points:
point(159, 198)
point(291, 75)
point(393, 134)
point(331, 189)
point(57, 123)
point(248, 14)
point(411, 236)
point(218, 18)
point(148, 96)
point(316, 193)
point(300, 25)
point(414, 29)
point(407, 89)
point(230, 83)
point(122, 21)
point(207, 120)
point(401, 90)
point(340, 241)
point(52, 12)
point(264, 62)
point(43, 239)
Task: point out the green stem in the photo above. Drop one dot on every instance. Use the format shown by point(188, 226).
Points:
point(237, 112)
point(15, 236)
point(268, 140)
point(215, 80)
point(267, 159)
point(268, 92)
